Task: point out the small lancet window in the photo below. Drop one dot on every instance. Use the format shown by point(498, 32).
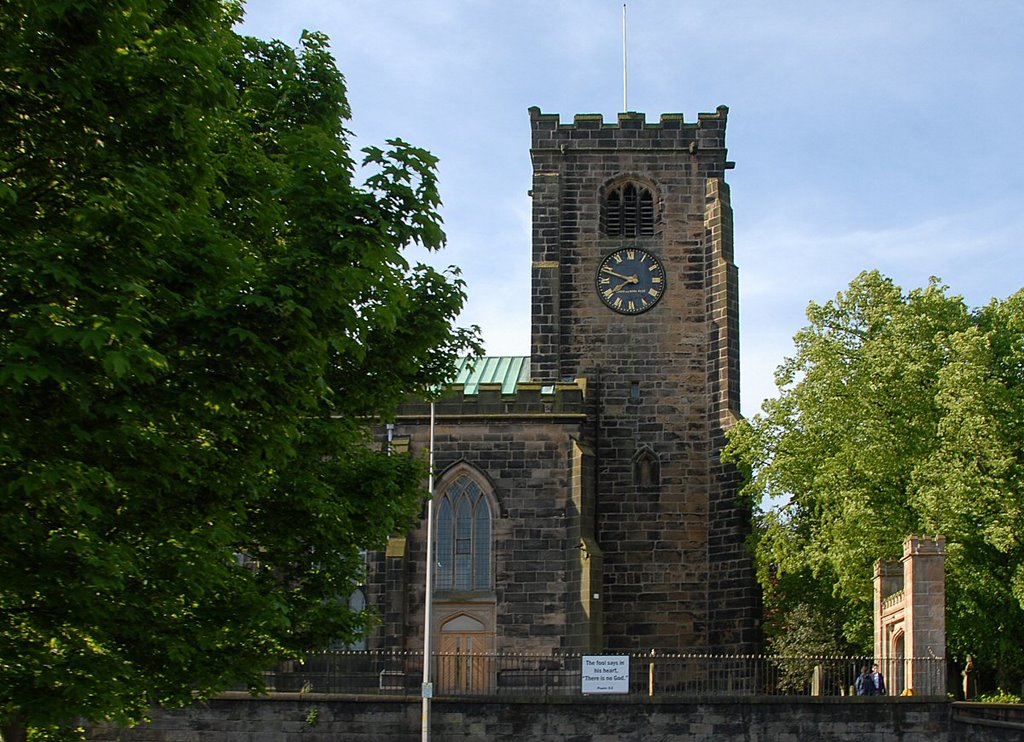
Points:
point(629, 211)
point(646, 468)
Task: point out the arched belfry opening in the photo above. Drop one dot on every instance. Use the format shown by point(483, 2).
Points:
point(629, 208)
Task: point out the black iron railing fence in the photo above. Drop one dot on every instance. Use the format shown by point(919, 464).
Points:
point(542, 676)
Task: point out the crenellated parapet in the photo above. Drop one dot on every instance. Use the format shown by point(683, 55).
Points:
point(529, 400)
point(632, 130)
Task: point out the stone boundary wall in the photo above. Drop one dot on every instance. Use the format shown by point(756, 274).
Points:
point(287, 717)
point(987, 722)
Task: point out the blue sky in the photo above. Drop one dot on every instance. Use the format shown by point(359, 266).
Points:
point(884, 135)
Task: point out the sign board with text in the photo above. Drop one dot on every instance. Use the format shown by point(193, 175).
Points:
point(605, 674)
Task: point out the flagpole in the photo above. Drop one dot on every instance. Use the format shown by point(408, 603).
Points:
point(625, 78)
point(427, 690)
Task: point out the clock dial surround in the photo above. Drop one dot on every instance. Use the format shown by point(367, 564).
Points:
point(630, 280)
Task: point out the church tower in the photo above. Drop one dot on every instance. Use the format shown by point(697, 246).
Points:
point(581, 502)
point(634, 289)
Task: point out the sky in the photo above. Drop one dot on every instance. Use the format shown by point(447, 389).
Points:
point(870, 135)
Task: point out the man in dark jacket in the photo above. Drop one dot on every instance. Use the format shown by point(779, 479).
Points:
point(879, 680)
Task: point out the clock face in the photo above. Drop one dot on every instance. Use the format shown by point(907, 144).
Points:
point(630, 280)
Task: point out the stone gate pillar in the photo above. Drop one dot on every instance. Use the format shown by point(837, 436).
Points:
point(910, 617)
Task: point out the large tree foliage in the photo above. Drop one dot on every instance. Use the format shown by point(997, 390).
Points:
point(200, 307)
point(898, 413)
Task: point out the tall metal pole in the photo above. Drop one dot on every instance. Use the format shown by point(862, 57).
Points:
point(427, 690)
point(625, 77)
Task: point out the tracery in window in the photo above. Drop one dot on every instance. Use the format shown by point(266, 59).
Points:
point(629, 211)
point(463, 538)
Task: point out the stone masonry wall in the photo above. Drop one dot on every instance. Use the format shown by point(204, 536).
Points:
point(319, 719)
point(522, 452)
point(735, 607)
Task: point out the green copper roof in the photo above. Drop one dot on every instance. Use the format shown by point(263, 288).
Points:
point(505, 370)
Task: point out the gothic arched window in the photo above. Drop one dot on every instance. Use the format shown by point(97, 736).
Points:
point(357, 603)
point(463, 538)
point(629, 211)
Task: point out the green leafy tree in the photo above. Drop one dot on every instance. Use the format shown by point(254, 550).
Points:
point(897, 414)
point(971, 489)
point(200, 307)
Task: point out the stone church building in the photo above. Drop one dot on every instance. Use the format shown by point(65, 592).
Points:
point(580, 501)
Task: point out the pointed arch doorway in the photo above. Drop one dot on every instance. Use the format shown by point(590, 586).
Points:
point(898, 672)
point(465, 645)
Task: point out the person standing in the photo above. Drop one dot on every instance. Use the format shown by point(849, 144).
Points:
point(864, 685)
point(879, 680)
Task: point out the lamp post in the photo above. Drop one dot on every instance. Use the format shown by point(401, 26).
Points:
point(427, 689)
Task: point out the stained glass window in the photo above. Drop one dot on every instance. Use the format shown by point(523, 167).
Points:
point(463, 538)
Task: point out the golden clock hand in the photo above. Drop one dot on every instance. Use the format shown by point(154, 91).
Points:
point(609, 271)
point(629, 280)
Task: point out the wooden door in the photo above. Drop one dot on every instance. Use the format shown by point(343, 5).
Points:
point(463, 657)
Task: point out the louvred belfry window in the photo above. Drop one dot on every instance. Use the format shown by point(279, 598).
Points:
point(629, 211)
point(463, 538)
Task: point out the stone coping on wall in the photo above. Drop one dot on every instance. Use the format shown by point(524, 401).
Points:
point(529, 401)
point(623, 700)
point(998, 715)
